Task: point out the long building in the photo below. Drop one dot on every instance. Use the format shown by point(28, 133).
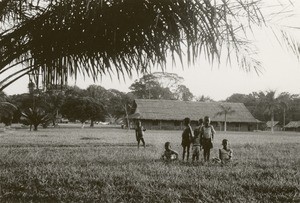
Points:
point(169, 114)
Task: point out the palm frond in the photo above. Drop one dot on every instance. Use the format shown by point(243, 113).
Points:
point(97, 37)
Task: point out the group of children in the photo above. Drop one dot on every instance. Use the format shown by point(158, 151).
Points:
point(201, 138)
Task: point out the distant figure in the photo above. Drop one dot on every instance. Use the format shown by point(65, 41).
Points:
point(207, 135)
point(187, 138)
point(139, 133)
point(169, 154)
point(197, 141)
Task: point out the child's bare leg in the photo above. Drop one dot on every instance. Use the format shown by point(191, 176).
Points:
point(183, 153)
point(205, 154)
point(143, 141)
point(138, 143)
point(208, 154)
point(188, 152)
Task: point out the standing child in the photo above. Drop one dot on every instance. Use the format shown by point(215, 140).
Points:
point(169, 154)
point(197, 141)
point(207, 136)
point(187, 137)
point(139, 133)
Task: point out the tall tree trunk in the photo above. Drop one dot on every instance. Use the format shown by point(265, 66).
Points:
point(92, 123)
point(225, 123)
point(127, 119)
point(272, 121)
point(283, 119)
point(35, 127)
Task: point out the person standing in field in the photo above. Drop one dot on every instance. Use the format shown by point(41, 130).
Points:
point(197, 141)
point(207, 135)
point(187, 138)
point(139, 133)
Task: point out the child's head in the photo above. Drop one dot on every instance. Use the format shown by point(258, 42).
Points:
point(225, 143)
point(206, 120)
point(200, 122)
point(186, 121)
point(167, 145)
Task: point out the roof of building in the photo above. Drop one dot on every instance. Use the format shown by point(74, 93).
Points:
point(293, 124)
point(269, 123)
point(178, 110)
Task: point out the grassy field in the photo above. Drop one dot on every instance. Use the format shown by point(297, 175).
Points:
point(104, 165)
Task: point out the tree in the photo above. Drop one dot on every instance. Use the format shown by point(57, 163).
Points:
point(183, 93)
point(7, 112)
point(54, 100)
point(203, 98)
point(59, 38)
point(83, 109)
point(34, 117)
point(147, 87)
point(225, 110)
point(270, 103)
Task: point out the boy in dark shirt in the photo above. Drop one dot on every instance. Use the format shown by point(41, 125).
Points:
point(187, 137)
point(139, 133)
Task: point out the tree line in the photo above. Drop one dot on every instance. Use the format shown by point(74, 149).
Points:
point(95, 103)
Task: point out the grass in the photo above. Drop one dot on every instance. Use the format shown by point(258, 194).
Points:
point(104, 165)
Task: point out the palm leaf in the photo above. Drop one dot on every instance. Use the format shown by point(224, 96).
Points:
point(59, 38)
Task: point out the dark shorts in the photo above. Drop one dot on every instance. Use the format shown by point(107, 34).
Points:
point(185, 144)
point(138, 138)
point(206, 143)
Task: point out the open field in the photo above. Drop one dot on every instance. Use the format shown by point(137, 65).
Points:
point(104, 165)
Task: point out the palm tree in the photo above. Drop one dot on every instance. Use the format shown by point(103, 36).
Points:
point(58, 38)
point(225, 110)
point(7, 110)
point(34, 117)
point(285, 100)
point(271, 103)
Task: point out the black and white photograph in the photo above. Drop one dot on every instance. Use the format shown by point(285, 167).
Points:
point(149, 101)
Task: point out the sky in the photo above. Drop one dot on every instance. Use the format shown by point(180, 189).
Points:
point(280, 71)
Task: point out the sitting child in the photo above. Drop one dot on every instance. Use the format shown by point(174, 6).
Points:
point(225, 154)
point(169, 154)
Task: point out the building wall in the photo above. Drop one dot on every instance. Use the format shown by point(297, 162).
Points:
point(293, 129)
point(178, 125)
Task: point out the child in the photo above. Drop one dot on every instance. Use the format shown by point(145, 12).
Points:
point(207, 135)
point(169, 154)
point(187, 137)
point(197, 141)
point(139, 133)
point(225, 154)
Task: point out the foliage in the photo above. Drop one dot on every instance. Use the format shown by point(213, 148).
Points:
point(7, 109)
point(203, 98)
point(285, 105)
point(103, 165)
point(225, 110)
point(161, 86)
point(83, 109)
point(35, 117)
point(63, 37)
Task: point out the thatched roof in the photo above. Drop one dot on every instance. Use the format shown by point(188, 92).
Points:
point(269, 123)
point(293, 124)
point(178, 110)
